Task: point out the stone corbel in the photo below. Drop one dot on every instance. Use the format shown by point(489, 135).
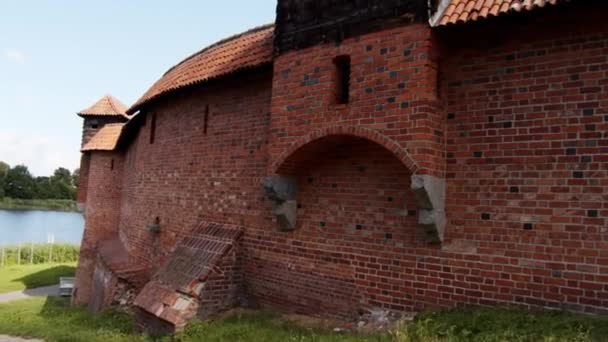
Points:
point(430, 195)
point(283, 191)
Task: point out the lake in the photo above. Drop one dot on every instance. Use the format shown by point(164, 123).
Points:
point(35, 226)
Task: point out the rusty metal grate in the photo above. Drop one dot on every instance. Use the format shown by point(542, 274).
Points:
point(197, 253)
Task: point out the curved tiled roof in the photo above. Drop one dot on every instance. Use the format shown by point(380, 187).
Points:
point(460, 11)
point(106, 106)
point(246, 50)
point(106, 139)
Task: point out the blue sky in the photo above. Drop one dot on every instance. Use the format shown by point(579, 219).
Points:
point(60, 56)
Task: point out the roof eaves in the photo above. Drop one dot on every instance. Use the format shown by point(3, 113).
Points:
point(435, 19)
point(139, 105)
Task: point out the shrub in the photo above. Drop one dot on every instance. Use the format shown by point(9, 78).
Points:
point(40, 254)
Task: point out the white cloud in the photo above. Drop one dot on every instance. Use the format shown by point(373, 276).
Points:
point(15, 56)
point(40, 154)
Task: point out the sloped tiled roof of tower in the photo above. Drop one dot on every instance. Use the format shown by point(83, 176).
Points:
point(460, 11)
point(246, 50)
point(106, 106)
point(106, 139)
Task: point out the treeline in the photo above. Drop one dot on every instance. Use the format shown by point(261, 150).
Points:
point(17, 182)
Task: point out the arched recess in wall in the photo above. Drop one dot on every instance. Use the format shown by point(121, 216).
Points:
point(282, 186)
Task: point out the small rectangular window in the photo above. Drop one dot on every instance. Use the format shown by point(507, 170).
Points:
point(112, 164)
point(206, 122)
point(342, 64)
point(152, 128)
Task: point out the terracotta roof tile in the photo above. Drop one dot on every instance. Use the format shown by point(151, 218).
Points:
point(246, 50)
point(106, 106)
point(460, 11)
point(106, 139)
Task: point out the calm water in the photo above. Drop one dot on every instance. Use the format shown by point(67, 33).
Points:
point(35, 226)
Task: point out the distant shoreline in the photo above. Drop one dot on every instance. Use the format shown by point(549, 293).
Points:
point(38, 204)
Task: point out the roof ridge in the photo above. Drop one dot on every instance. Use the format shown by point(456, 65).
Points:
point(107, 105)
point(220, 42)
point(112, 101)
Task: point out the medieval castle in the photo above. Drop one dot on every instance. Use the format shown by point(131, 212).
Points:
point(401, 155)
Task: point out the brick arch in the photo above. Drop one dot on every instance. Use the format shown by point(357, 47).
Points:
point(358, 132)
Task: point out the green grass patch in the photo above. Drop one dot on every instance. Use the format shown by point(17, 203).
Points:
point(38, 204)
point(257, 326)
point(53, 319)
point(43, 253)
point(15, 278)
point(488, 325)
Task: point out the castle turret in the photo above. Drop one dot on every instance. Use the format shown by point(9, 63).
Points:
point(105, 111)
point(108, 110)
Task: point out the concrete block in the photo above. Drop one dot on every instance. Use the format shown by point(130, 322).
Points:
point(430, 195)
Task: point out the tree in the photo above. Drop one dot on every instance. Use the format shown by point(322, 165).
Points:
point(76, 177)
point(19, 183)
point(4, 167)
point(62, 184)
point(44, 188)
point(62, 175)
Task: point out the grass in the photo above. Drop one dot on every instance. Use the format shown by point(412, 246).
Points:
point(38, 204)
point(487, 324)
point(15, 278)
point(54, 320)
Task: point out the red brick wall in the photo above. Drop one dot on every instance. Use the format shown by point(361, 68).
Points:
point(101, 215)
point(527, 160)
point(187, 176)
point(393, 91)
point(357, 243)
point(524, 122)
point(83, 181)
point(223, 288)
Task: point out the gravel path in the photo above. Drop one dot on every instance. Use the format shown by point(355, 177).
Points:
point(5, 338)
point(37, 292)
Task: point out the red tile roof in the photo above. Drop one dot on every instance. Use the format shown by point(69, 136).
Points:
point(246, 50)
point(106, 106)
point(106, 139)
point(459, 11)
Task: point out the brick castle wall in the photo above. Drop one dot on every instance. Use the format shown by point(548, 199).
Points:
point(527, 160)
point(187, 176)
point(518, 129)
point(101, 216)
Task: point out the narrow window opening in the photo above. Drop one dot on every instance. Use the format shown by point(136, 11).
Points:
point(206, 120)
point(152, 128)
point(94, 124)
point(112, 164)
point(342, 64)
